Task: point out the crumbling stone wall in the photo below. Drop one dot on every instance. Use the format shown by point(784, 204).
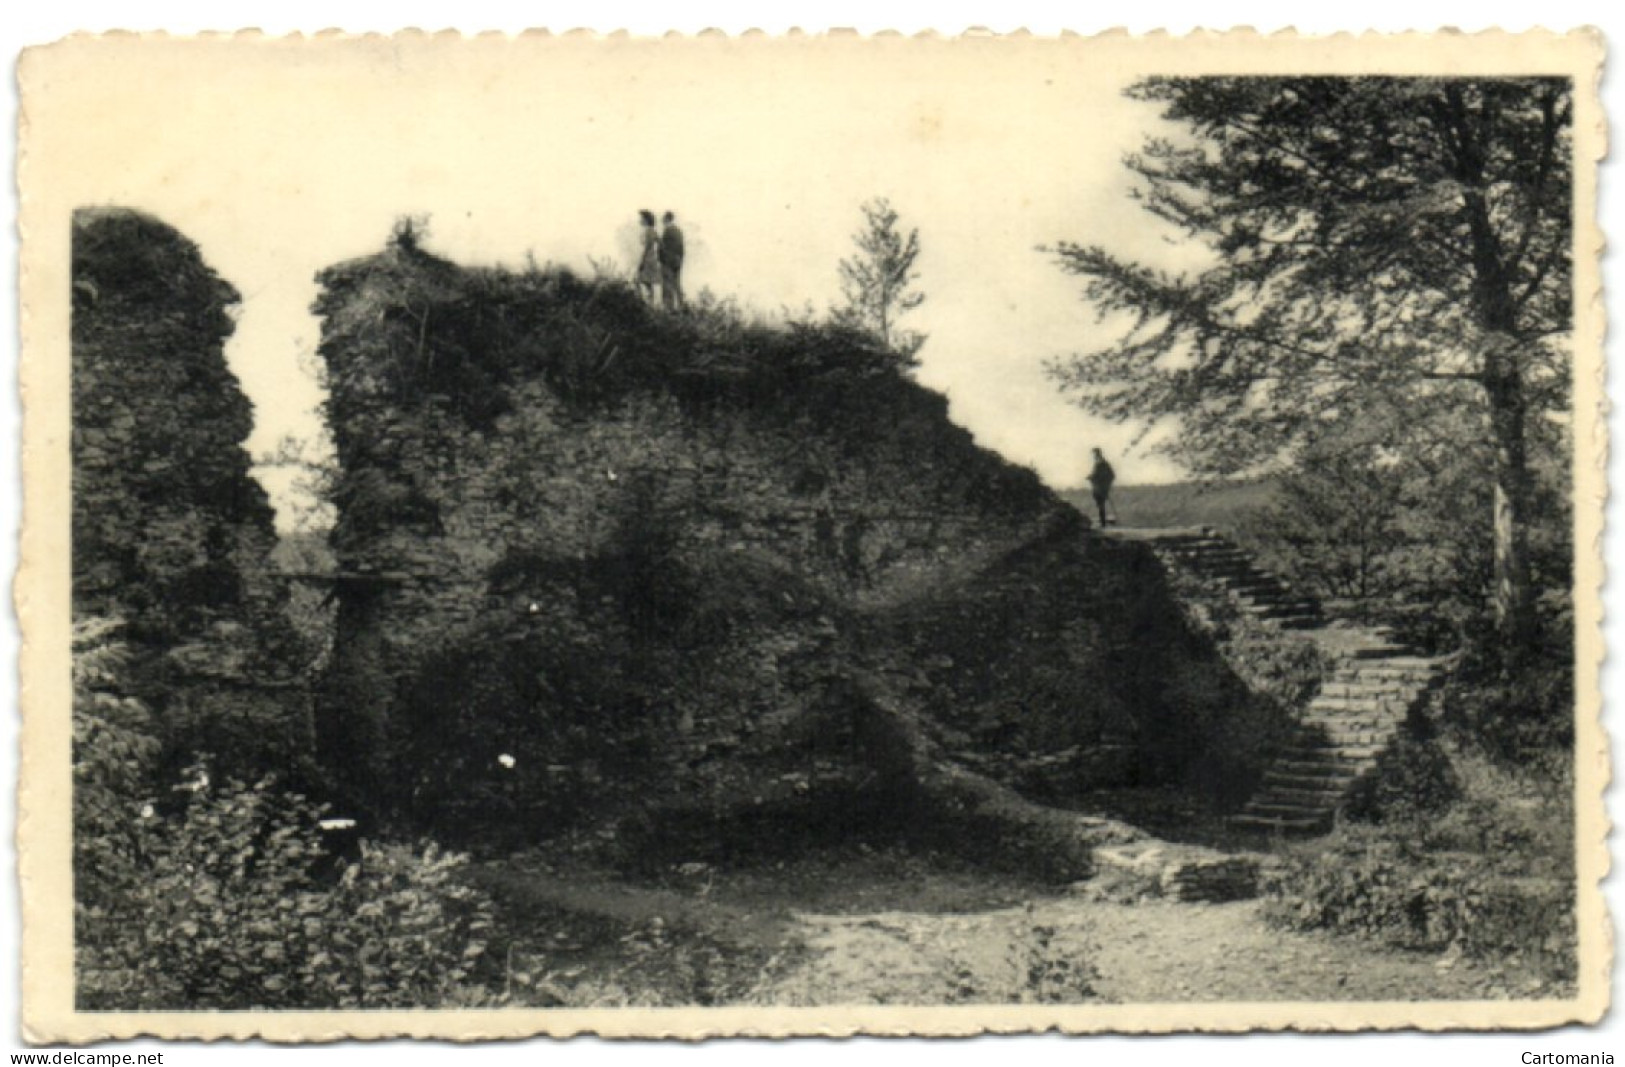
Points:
point(170, 532)
point(597, 558)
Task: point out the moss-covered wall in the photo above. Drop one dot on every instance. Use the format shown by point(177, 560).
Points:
point(598, 557)
point(170, 532)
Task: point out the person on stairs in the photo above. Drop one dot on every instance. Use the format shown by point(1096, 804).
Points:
point(1101, 477)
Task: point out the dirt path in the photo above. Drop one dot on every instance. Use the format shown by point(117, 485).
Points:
point(1072, 950)
point(886, 928)
point(1156, 951)
point(1012, 955)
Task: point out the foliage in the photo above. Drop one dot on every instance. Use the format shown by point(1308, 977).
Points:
point(414, 329)
point(606, 532)
point(1402, 241)
point(230, 910)
point(1452, 846)
point(876, 281)
point(1523, 721)
point(310, 608)
point(1371, 517)
point(115, 752)
point(1413, 779)
point(605, 691)
point(1398, 885)
point(1271, 677)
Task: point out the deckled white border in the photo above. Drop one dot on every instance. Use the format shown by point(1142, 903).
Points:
point(1404, 52)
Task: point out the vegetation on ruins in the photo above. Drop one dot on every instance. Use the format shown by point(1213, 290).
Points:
point(876, 282)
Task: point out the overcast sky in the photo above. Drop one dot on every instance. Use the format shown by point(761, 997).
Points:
point(278, 169)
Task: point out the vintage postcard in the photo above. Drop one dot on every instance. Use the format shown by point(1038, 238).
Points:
point(812, 535)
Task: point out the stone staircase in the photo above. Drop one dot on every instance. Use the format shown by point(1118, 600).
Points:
point(1351, 721)
point(1215, 559)
point(1348, 725)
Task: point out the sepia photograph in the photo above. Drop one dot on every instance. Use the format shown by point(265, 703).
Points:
point(811, 534)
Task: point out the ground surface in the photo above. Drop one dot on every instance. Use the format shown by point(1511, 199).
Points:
point(885, 927)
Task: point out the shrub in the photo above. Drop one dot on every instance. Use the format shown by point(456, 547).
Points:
point(230, 910)
point(1485, 866)
point(114, 753)
point(1390, 884)
point(1522, 720)
point(1413, 778)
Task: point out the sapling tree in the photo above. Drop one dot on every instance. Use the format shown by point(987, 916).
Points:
point(876, 283)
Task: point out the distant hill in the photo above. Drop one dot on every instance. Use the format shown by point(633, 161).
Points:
point(1222, 504)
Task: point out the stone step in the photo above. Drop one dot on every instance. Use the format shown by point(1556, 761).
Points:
point(1386, 652)
point(1225, 572)
point(1272, 598)
point(1277, 598)
point(1316, 763)
point(1279, 602)
point(1329, 780)
point(1260, 580)
point(1352, 757)
point(1300, 622)
point(1379, 690)
point(1339, 729)
point(1287, 610)
point(1185, 540)
point(1326, 709)
point(1405, 666)
point(1343, 752)
point(1217, 558)
point(1332, 705)
point(1270, 824)
point(1344, 717)
point(1286, 810)
point(1351, 737)
point(1311, 798)
point(1342, 739)
point(1378, 669)
point(1415, 684)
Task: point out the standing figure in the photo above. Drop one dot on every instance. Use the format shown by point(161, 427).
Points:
point(1101, 477)
point(671, 264)
point(648, 273)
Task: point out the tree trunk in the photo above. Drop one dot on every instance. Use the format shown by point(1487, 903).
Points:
point(1513, 596)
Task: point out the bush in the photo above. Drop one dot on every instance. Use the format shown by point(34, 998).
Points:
point(230, 910)
point(1478, 859)
point(1522, 720)
point(1387, 884)
point(114, 753)
point(1413, 778)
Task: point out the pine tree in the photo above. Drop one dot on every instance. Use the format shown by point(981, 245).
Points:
point(1375, 239)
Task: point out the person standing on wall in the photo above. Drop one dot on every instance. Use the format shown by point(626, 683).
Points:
point(648, 272)
point(1101, 477)
point(671, 264)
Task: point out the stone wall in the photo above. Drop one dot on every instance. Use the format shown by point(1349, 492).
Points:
point(597, 557)
point(171, 534)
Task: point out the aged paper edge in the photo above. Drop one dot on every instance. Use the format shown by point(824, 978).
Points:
point(43, 581)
